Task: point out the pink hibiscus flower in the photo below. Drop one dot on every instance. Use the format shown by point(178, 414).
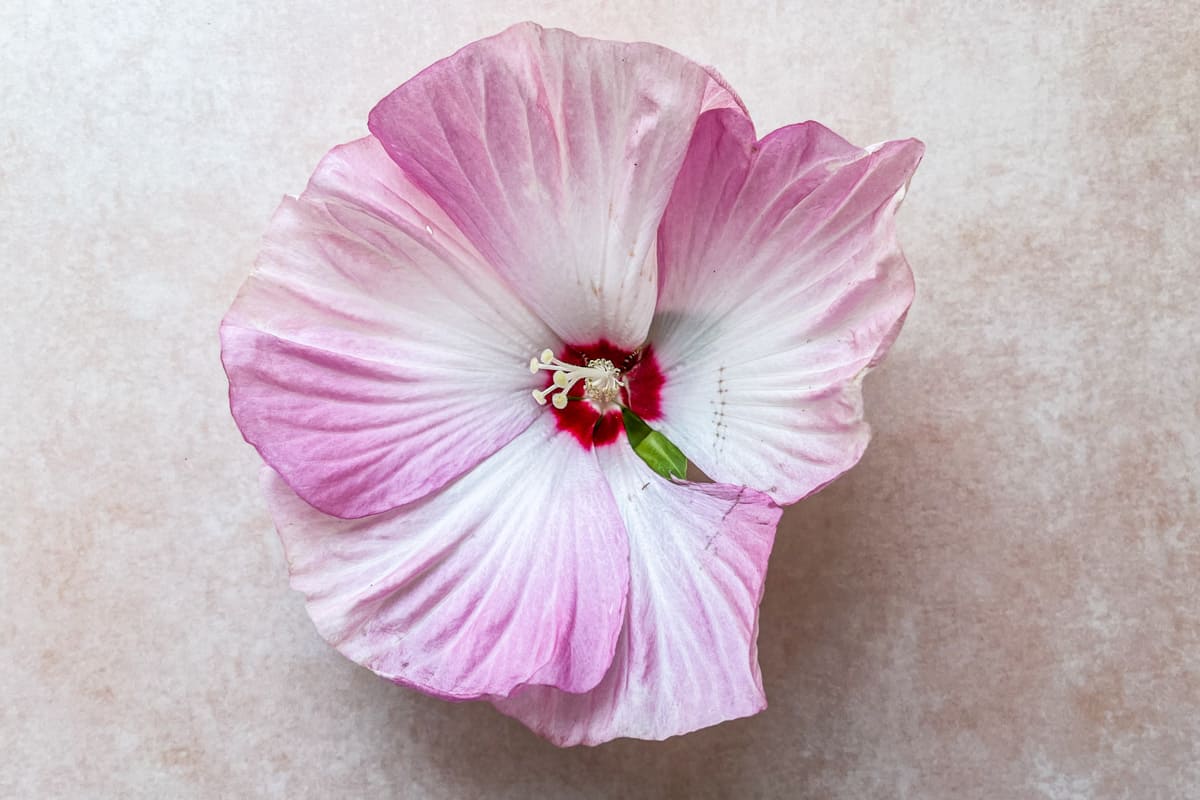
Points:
point(474, 525)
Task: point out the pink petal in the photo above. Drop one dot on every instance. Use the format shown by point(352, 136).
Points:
point(514, 574)
point(555, 155)
point(372, 356)
point(687, 657)
point(780, 283)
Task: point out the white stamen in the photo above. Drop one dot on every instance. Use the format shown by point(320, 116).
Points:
point(602, 380)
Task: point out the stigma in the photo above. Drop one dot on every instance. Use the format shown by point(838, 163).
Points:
point(602, 381)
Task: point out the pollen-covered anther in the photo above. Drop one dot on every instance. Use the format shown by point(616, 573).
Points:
point(602, 381)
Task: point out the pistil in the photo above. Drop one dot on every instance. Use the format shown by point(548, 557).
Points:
point(602, 380)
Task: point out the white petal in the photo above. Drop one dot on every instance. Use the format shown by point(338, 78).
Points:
point(555, 154)
point(514, 574)
point(372, 356)
point(781, 283)
point(687, 657)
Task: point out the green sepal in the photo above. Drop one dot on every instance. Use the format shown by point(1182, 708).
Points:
point(659, 452)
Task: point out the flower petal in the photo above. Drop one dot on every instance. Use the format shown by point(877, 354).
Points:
point(480, 587)
point(687, 657)
point(555, 154)
point(781, 282)
point(372, 356)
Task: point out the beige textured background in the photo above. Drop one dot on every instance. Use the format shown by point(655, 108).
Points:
point(1001, 601)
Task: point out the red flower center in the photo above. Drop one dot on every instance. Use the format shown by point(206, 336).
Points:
point(594, 424)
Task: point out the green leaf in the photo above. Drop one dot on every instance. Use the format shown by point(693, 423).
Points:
point(659, 452)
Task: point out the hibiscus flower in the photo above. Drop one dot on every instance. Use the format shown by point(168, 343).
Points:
point(435, 349)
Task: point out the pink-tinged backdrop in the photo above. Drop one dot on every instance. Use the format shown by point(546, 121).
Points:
point(1001, 601)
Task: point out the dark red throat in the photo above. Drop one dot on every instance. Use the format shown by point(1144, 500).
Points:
point(642, 393)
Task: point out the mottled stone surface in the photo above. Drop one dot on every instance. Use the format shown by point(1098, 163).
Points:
point(1001, 601)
